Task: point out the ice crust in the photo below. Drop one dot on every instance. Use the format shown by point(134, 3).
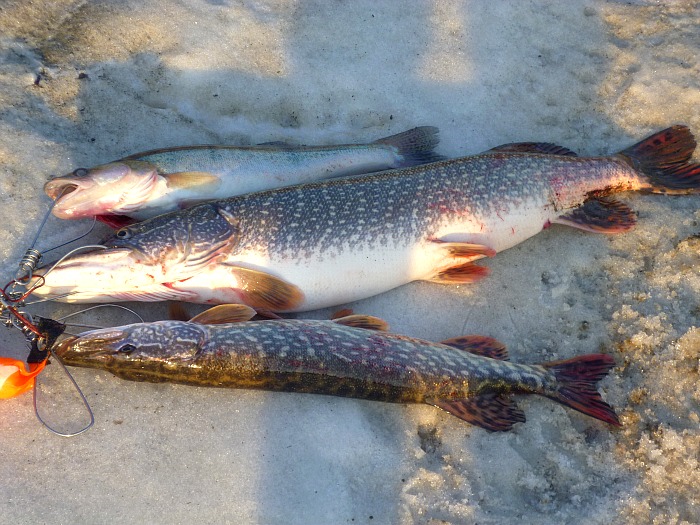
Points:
point(83, 83)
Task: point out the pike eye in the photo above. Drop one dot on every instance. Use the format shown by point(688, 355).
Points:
point(127, 349)
point(80, 172)
point(124, 233)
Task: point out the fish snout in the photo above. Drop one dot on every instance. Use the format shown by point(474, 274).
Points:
point(107, 270)
point(95, 346)
point(60, 187)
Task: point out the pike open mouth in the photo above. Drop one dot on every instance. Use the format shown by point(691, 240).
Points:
point(59, 188)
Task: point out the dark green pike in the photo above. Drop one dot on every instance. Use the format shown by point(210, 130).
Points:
point(466, 376)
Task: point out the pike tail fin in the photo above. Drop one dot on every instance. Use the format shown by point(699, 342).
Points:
point(415, 146)
point(576, 388)
point(665, 158)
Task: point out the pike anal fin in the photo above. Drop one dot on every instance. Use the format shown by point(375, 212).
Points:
point(494, 412)
point(600, 215)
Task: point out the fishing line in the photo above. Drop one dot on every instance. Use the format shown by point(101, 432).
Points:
point(31, 257)
point(100, 306)
point(77, 389)
point(54, 298)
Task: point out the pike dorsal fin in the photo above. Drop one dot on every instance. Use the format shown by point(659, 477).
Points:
point(367, 322)
point(479, 345)
point(225, 313)
point(546, 148)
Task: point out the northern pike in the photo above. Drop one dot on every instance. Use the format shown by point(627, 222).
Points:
point(332, 242)
point(147, 184)
point(465, 376)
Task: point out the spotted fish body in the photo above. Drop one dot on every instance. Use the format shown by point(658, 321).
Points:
point(322, 244)
point(325, 357)
point(148, 184)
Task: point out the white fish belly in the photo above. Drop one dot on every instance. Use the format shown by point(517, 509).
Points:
point(327, 279)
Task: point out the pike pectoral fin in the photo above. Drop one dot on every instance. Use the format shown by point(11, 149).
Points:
point(191, 180)
point(479, 345)
point(264, 291)
point(225, 313)
point(491, 411)
point(546, 148)
point(599, 215)
point(367, 322)
point(464, 250)
point(465, 273)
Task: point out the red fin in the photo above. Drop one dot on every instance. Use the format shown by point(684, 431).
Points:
point(600, 216)
point(577, 380)
point(665, 158)
point(461, 274)
point(491, 411)
point(116, 221)
point(479, 345)
point(546, 148)
point(367, 322)
point(225, 313)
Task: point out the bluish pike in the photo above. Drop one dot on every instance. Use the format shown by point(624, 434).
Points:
point(147, 184)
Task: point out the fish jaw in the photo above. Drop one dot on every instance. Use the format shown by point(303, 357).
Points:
point(137, 350)
point(109, 270)
point(93, 349)
point(114, 188)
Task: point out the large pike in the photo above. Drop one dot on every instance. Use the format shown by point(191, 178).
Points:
point(466, 376)
point(327, 243)
point(147, 184)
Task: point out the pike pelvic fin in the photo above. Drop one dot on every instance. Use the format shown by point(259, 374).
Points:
point(490, 411)
point(465, 273)
point(664, 157)
point(191, 180)
point(367, 322)
point(479, 345)
point(546, 148)
point(415, 146)
point(600, 215)
point(225, 313)
point(264, 291)
point(577, 380)
point(457, 267)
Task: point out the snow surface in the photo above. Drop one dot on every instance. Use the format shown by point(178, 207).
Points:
point(82, 83)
